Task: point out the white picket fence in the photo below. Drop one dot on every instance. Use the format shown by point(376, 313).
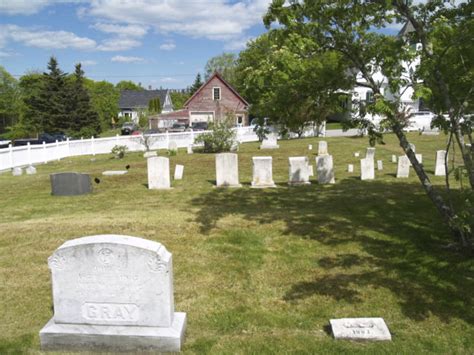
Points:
point(12, 157)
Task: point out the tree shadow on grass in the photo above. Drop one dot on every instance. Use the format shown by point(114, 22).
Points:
point(395, 225)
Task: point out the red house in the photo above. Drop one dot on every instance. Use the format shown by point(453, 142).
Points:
point(215, 100)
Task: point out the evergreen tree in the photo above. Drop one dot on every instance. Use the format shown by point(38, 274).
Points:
point(196, 85)
point(154, 105)
point(84, 120)
point(52, 101)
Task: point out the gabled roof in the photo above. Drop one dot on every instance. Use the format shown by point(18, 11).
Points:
point(141, 98)
point(216, 74)
point(406, 29)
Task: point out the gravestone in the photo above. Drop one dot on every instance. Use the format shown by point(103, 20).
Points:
point(178, 172)
point(350, 168)
point(403, 169)
point(360, 329)
point(114, 172)
point(311, 170)
point(262, 172)
point(356, 154)
point(150, 154)
point(370, 154)
point(367, 170)
point(413, 147)
point(323, 148)
point(440, 168)
point(310, 147)
point(298, 171)
point(17, 171)
point(379, 165)
point(190, 149)
point(172, 146)
point(235, 146)
point(270, 142)
point(394, 158)
point(158, 173)
point(325, 169)
point(227, 170)
point(31, 170)
point(419, 157)
point(70, 184)
point(112, 293)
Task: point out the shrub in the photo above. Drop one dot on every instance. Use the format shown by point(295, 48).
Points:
point(220, 139)
point(119, 151)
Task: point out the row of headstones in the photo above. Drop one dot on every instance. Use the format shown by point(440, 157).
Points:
point(115, 293)
point(18, 171)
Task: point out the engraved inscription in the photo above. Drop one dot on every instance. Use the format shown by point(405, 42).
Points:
point(58, 262)
point(105, 256)
point(110, 312)
point(156, 265)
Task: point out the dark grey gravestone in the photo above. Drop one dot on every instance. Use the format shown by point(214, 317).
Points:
point(70, 184)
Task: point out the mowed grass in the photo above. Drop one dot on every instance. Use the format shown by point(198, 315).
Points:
point(256, 271)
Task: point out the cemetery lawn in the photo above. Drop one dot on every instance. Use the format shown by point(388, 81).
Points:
point(256, 271)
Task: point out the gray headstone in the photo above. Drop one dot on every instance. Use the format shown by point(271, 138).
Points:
point(325, 169)
point(298, 171)
point(113, 293)
point(70, 184)
point(178, 172)
point(17, 171)
point(262, 172)
point(440, 168)
point(360, 329)
point(367, 169)
point(403, 169)
point(31, 170)
point(323, 148)
point(270, 142)
point(227, 170)
point(158, 173)
point(114, 172)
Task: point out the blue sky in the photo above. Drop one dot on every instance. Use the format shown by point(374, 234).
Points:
point(154, 42)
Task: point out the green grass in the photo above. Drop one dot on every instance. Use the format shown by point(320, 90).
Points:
point(333, 125)
point(257, 271)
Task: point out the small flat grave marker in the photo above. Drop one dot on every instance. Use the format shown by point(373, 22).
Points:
point(350, 168)
point(360, 329)
point(114, 172)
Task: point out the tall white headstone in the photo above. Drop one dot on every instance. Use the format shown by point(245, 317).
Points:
point(113, 293)
point(367, 169)
point(178, 172)
point(298, 171)
point(440, 168)
point(270, 142)
point(158, 173)
point(370, 154)
point(403, 170)
point(325, 169)
point(323, 148)
point(227, 170)
point(262, 172)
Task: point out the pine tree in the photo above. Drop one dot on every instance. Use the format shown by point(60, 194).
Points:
point(84, 120)
point(154, 105)
point(196, 85)
point(53, 99)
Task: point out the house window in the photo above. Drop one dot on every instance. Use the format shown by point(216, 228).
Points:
point(369, 96)
point(240, 120)
point(216, 93)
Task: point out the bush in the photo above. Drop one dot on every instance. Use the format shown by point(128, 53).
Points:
point(220, 139)
point(119, 151)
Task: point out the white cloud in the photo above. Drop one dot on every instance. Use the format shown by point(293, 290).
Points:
point(88, 63)
point(118, 44)
point(45, 39)
point(29, 7)
point(237, 44)
point(168, 46)
point(168, 80)
point(122, 31)
point(123, 59)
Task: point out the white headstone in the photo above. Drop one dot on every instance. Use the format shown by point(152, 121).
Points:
point(350, 168)
point(418, 157)
point(17, 171)
point(325, 169)
point(311, 170)
point(379, 165)
point(310, 147)
point(403, 169)
point(114, 172)
point(178, 172)
point(173, 146)
point(360, 329)
point(440, 168)
point(227, 170)
point(367, 169)
point(150, 154)
point(270, 142)
point(190, 149)
point(298, 171)
point(323, 148)
point(262, 172)
point(394, 158)
point(356, 154)
point(114, 293)
point(31, 170)
point(370, 154)
point(235, 146)
point(413, 147)
point(158, 173)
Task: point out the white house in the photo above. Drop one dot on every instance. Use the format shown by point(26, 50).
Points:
point(134, 102)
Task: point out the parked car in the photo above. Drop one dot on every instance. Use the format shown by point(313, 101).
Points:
point(199, 126)
point(137, 133)
point(178, 127)
point(128, 128)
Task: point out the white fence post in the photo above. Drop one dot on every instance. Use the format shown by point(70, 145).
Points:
point(45, 157)
point(58, 157)
point(92, 146)
point(10, 153)
point(68, 147)
point(167, 139)
point(28, 147)
point(192, 136)
point(117, 139)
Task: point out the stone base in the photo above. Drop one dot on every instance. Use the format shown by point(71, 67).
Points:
point(270, 147)
point(80, 337)
point(254, 186)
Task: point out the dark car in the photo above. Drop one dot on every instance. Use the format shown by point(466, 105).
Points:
point(199, 126)
point(43, 137)
point(178, 127)
point(128, 128)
